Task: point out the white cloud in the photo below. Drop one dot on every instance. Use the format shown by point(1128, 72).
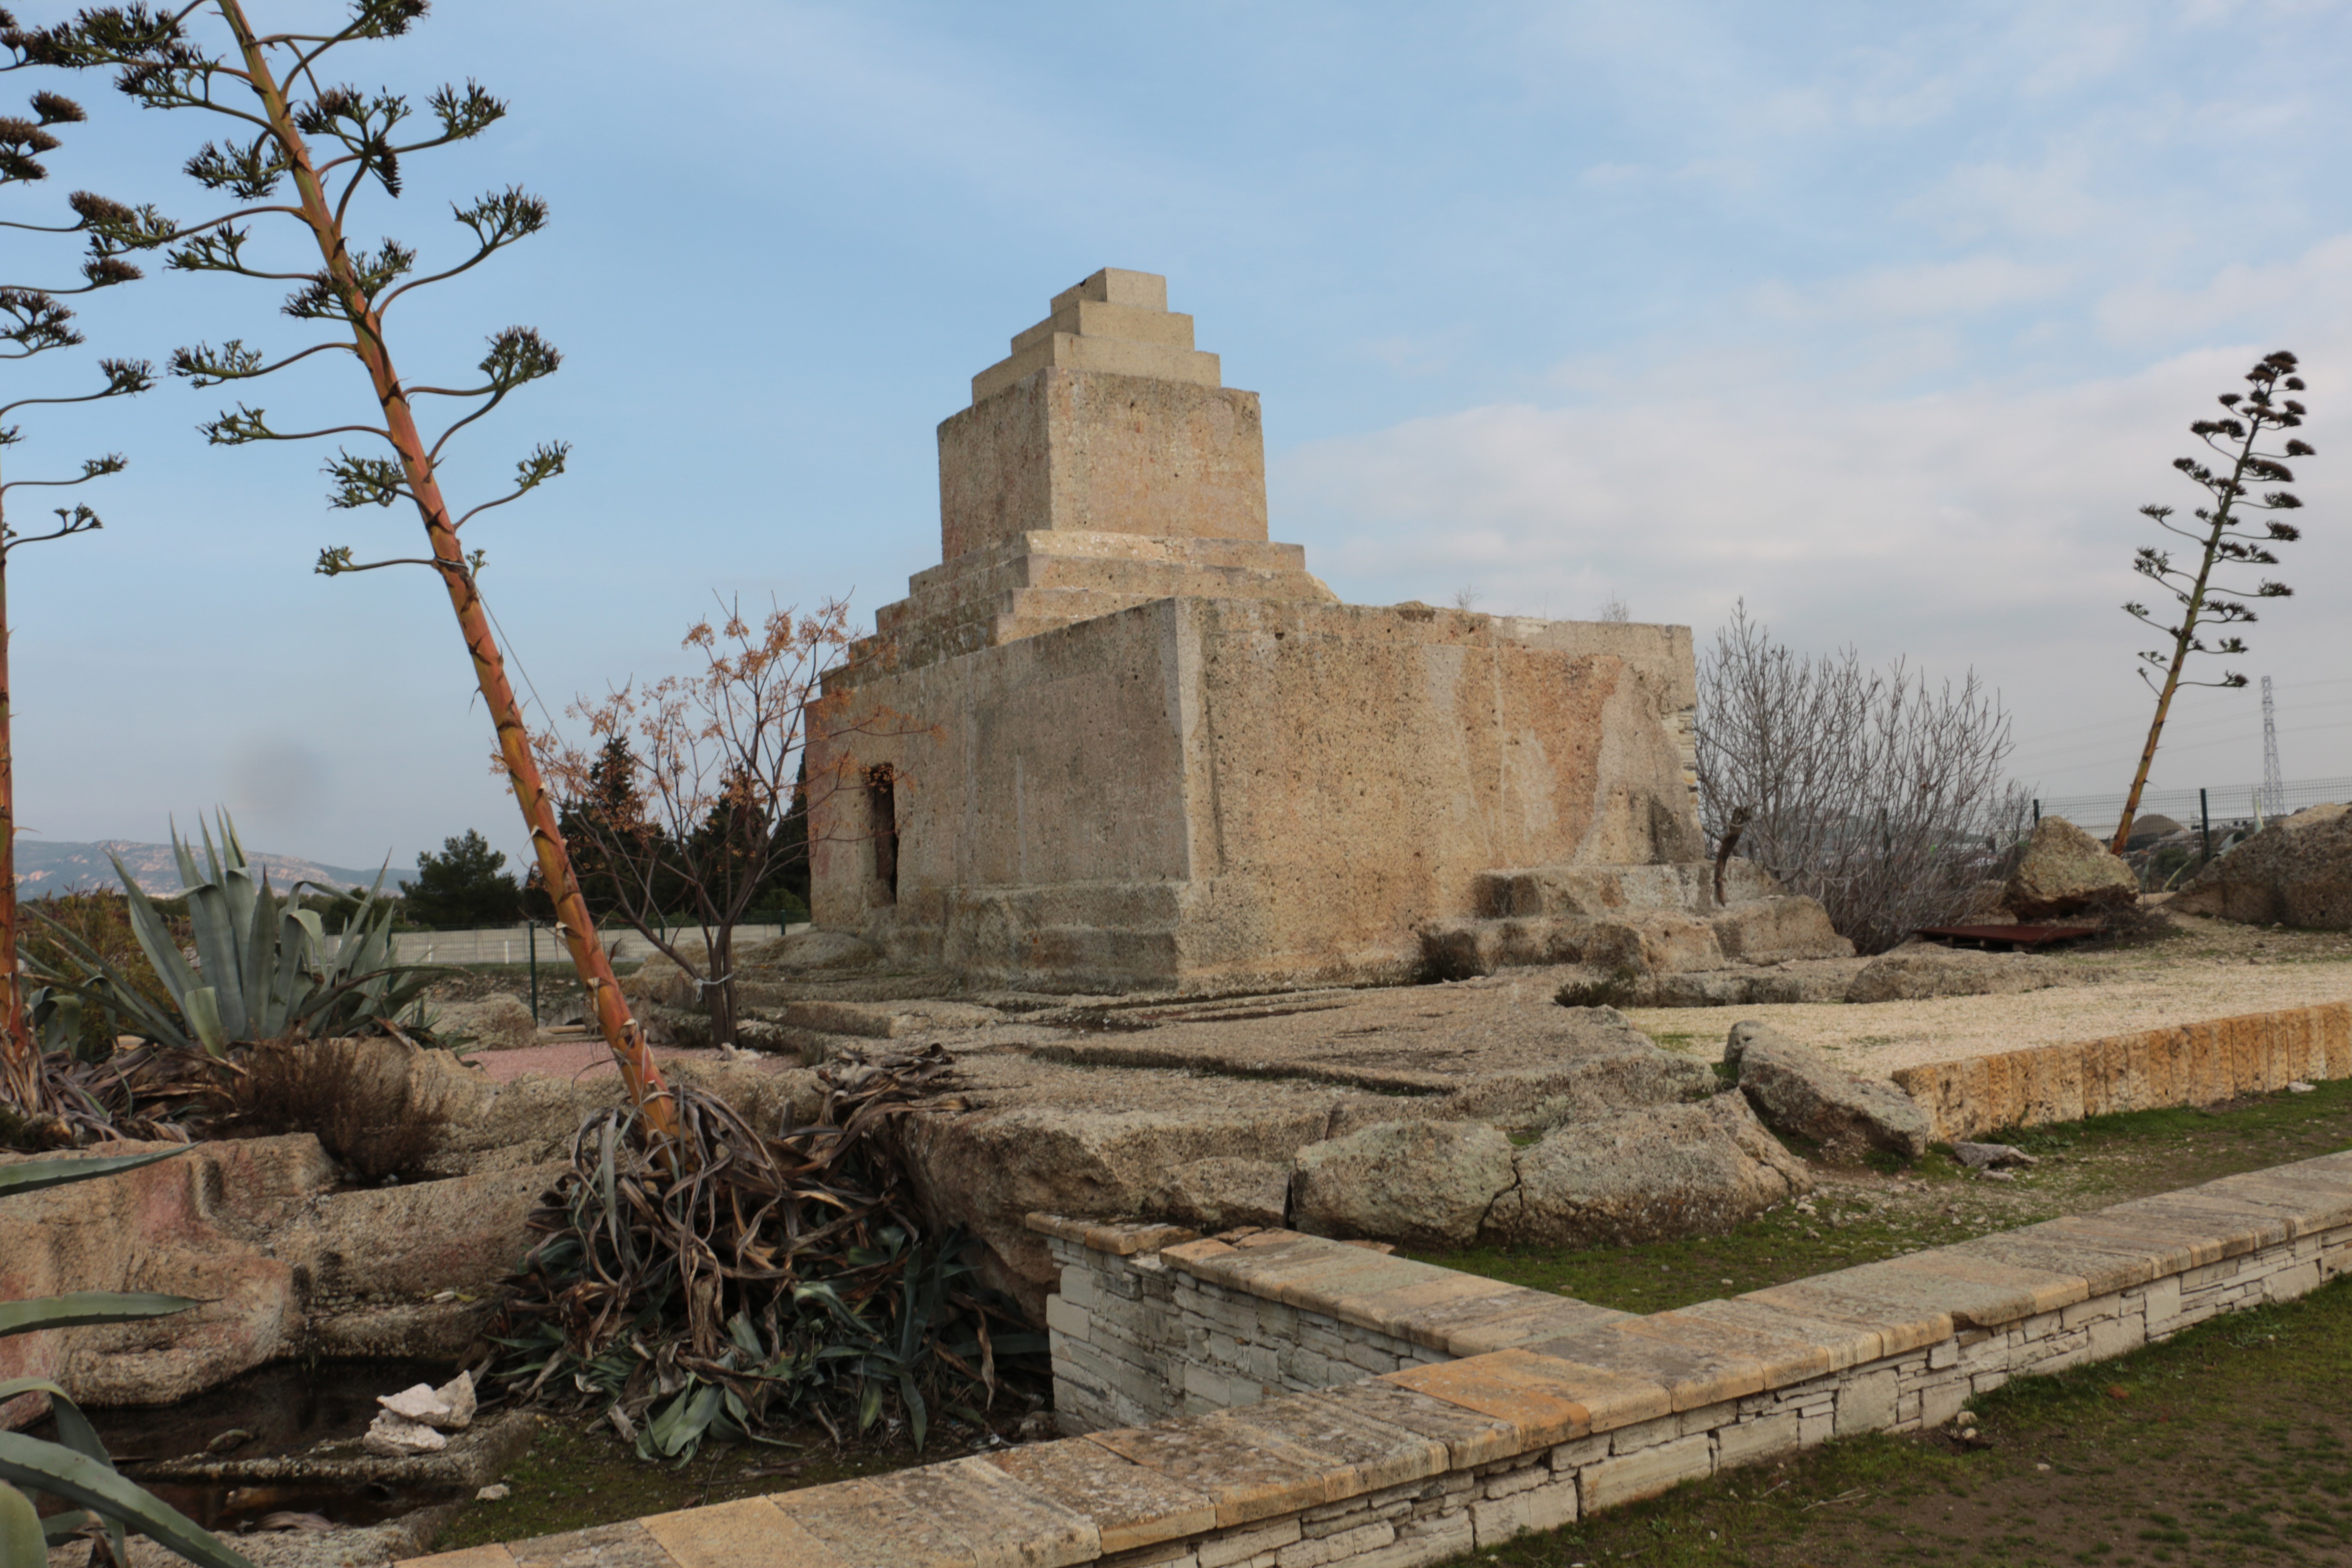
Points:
point(1989, 526)
point(1969, 285)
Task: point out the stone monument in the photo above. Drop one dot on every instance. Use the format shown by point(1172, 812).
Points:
point(1133, 745)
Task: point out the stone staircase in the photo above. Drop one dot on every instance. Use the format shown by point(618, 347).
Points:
point(1647, 919)
point(1043, 579)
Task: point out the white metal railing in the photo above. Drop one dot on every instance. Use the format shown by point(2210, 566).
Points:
point(512, 944)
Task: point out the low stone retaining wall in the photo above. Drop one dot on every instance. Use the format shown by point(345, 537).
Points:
point(2188, 1064)
point(1518, 1411)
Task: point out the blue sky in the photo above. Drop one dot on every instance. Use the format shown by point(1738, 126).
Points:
point(1883, 318)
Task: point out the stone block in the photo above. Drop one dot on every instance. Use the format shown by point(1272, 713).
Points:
point(1752, 1442)
point(1866, 1403)
point(1633, 1477)
point(1545, 1507)
point(2288, 1283)
point(1062, 1317)
point(1340, 1547)
point(1241, 1545)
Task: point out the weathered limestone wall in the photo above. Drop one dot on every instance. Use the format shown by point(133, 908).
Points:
point(2188, 1064)
point(1464, 1453)
point(1118, 738)
point(1225, 791)
point(1145, 1329)
point(1108, 453)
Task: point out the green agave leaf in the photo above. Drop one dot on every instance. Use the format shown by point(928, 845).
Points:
point(154, 936)
point(58, 1470)
point(218, 954)
point(33, 1174)
point(59, 1527)
point(259, 965)
point(21, 1539)
point(78, 1309)
point(202, 1007)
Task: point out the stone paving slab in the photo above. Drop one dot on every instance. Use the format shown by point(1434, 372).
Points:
point(1841, 1344)
point(751, 1533)
point(1367, 1452)
point(1470, 1437)
point(1702, 1366)
point(1130, 1505)
point(1248, 1475)
point(1903, 1319)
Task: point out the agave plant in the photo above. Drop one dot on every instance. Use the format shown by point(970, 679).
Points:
point(76, 1468)
point(262, 969)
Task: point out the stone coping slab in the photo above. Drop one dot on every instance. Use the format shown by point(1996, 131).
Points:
point(2182, 1064)
point(1582, 1374)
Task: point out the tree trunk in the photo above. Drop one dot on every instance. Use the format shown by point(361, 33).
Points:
point(621, 1031)
point(20, 1066)
point(720, 997)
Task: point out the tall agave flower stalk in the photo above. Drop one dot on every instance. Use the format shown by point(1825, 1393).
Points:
point(331, 143)
point(34, 321)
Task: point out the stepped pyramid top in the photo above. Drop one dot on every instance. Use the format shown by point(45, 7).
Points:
point(1116, 322)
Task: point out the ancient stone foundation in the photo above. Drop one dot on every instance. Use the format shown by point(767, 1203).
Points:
point(1364, 1411)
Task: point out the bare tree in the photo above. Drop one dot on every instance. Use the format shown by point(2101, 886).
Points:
point(2223, 538)
point(681, 803)
point(1871, 790)
point(1614, 608)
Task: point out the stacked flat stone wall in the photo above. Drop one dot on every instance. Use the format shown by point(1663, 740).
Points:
point(1521, 1412)
point(2187, 1064)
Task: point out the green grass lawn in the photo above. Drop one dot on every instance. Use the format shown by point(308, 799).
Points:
point(2228, 1444)
point(1860, 1215)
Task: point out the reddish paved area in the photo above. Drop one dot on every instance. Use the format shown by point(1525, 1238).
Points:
point(578, 1060)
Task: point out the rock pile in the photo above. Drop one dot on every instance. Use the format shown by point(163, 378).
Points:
point(2066, 872)
point(2297, 871)
point(415, 1420)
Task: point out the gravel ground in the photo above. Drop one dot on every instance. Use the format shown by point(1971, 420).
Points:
point(2201, 969)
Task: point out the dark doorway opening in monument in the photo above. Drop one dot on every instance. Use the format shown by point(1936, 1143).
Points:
point(882, 826)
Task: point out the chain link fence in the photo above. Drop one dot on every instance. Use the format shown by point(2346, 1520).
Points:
point(2177, 831)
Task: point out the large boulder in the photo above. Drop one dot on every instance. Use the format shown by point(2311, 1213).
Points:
point(496, 1022)
point(1424, 1184)
point(2066, 871)
point(2297, 871)
point(1673, 1170)
point(1920, 972)
point(1221, 1193)
point(1775, 931)
point(1800, 1091)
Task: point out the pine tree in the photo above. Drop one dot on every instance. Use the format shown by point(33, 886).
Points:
point(464, 887)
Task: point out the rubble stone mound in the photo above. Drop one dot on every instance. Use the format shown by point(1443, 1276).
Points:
point(2297, 871)
point(2066, 872)
point(1799, 1090)
point(1672, 1170)
point(1922, 971)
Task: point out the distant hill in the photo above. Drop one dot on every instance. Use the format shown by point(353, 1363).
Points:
point(44, 866)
